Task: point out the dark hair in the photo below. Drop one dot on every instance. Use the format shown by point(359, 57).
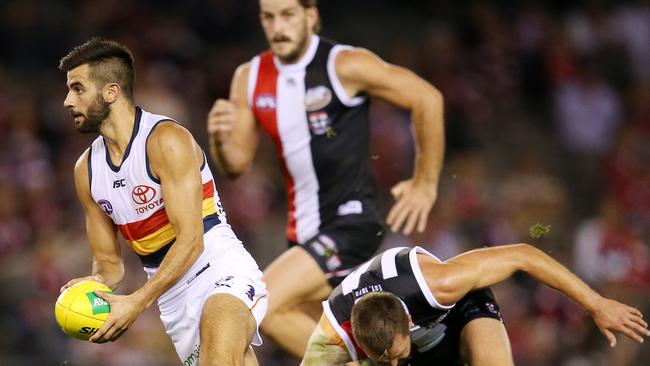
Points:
point(308, 3)
point(376, 319)
point(312, 4)
point(109, 61)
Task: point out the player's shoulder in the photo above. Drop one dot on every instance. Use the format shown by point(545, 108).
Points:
point(169, 133)
point(431, 268)
point(81, 165)
point(426, 259)
point(351, 52)
point(243, 68)
point(353, 60)
point(171, 145)
point(241, 72)
point(81, 170)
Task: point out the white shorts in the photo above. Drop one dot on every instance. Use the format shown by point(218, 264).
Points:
point(224, 267)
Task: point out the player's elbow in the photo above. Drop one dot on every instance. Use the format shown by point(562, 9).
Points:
point(435, 95)
point(525, 255)
point(435, 98)
point(427, 98)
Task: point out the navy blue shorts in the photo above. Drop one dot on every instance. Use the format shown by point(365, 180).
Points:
point(341, 246)
point(476, 304)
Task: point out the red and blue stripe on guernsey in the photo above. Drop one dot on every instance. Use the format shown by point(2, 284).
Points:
point(155, 231)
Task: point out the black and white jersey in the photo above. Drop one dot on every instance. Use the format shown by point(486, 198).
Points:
point(321, 135)
point(396, 271)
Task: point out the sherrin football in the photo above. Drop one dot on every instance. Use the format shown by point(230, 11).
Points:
point(79, 312)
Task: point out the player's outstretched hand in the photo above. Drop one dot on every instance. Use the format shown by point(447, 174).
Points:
point(125, 309)
point(221, 120)
point(413, 202)
point(97, 278)
point(612, 316)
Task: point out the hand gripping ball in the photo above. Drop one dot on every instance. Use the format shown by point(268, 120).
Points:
point(79, 312)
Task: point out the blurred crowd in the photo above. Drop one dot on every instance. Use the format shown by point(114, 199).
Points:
point(547, 120)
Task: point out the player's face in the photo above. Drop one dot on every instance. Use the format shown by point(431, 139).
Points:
point(85, 101)
point(288, 27)
point(400, 350)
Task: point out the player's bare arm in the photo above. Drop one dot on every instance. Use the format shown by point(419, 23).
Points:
point(361, 71)
point(325, 347)
point(108, 267)
point(232, 128)
point(486, 267)
point(175, 160)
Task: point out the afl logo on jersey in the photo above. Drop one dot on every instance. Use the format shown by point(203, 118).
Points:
point(143, 194)
point(106, 206)
point(317, 98)
point(265, 101)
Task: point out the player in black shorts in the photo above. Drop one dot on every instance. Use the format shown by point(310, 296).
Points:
point(311, 97)
point(406, 307)
point(479, 304)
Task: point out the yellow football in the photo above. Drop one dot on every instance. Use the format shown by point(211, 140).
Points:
point(79, 312)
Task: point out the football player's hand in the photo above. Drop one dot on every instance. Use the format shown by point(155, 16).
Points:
point(97, 278)
point(125, 309)
point(413, 202)
point(612, 316)
point(221, 120)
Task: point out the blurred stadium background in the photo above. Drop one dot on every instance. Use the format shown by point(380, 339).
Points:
point(548, 121)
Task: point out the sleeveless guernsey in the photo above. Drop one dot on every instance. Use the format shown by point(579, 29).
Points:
point(396, 271)
point(132, 197)
point(321, 135)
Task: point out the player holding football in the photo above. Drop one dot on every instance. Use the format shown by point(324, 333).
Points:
point(405, 304)
point(311, 96)
point(147, 178)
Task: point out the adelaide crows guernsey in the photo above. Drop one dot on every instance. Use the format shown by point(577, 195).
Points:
point(396, 271)
point(132, 196)
point(321, 135)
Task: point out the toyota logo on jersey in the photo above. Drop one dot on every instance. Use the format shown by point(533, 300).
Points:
point(143, 194)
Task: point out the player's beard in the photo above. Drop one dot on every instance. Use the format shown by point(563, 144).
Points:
point(301, 44)
point(97, 113)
